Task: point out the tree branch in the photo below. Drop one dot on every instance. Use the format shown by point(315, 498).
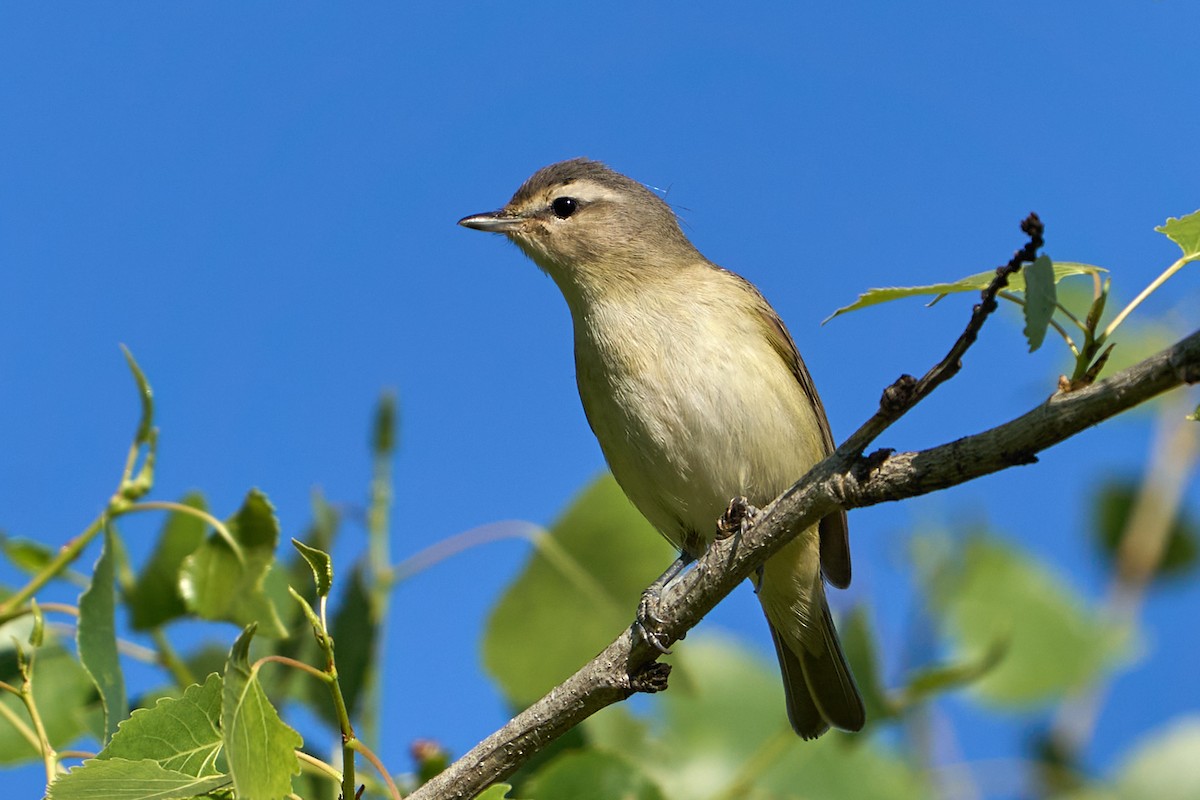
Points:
point(843, 480)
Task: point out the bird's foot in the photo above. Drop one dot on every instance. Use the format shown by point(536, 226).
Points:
point(649, 621)
point(739, 516)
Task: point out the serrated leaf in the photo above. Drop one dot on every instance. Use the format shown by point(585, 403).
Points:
point(1057, 645)
point(259, 747)
point(1040, 299)
point(96, 638)
point(591, 775)
point(65, 697)
point(216, 585)
point(1185, 232)
point(155, 598)
point(320, 563)
point(971, 283)
point(179, 734)
point(121, 779)
point(585, 576)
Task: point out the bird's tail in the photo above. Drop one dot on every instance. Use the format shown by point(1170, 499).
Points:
point(817, 682)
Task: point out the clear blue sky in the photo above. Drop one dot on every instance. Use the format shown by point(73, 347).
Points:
point(260, 201)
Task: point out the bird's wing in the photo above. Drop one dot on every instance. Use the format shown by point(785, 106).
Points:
point(835, 537)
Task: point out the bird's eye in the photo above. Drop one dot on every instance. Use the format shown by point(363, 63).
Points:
point(564, 207)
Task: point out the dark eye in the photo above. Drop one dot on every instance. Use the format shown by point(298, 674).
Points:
point(564, 207)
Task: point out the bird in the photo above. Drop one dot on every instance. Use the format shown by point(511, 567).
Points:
point(697, 395)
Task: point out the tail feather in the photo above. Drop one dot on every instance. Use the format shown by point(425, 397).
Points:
point(807, 720)
point(828, 676)
point(817, 681)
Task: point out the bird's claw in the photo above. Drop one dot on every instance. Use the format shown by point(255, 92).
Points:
point(648, 619)
point(739, 516)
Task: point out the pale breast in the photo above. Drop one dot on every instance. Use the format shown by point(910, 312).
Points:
point(691, 405)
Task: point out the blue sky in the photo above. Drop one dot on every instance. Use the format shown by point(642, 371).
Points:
point(259, 200)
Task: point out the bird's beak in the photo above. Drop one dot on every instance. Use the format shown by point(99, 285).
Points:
point(492, 221)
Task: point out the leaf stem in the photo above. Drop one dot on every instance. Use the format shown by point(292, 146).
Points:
point(358, 745)
point(1154, 284)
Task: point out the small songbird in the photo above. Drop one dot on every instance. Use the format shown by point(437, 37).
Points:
point(697, 395)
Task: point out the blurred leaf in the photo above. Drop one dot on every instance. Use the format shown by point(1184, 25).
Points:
point(1165, 765)
point(320, 563)
point(96, 637)
point(858, 643)
point(1184, 232)
point(260, 748)
point(120, 779)
point(944, 677)
point(25, 554)
point(730, 738)
point(591, 775)
point(993, 592)
point(585, 577)
point(1195, 415)
point(179, 734)
point(497, 791)
point(1112, 504)
point(218, 586)
point(383, 433)
point(155, 599)
point(971, 283)
point(65, 696)
point(1040, 299)
point(354, 636)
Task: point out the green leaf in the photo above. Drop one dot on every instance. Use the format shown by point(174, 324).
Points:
point(585, 576)
point(1112, 504)
point(945, 677)
point(1195, 415)
point(1040, 299)
point(730, 737)
point(96, 638)
point(217, 585)
point(178, 734)
point(383, 434)
point(993, 592)
point(971, 283)
point(1184, 232)
point(25, 554)
point(66, 698)
point(145, 426)
point(591, 775)
point(1164, 766)
point(497, 791)
point(354, 636)
point(858, 643)
point(121, 779)
point(260, 748)
point(155, 598)
point(320, 563)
